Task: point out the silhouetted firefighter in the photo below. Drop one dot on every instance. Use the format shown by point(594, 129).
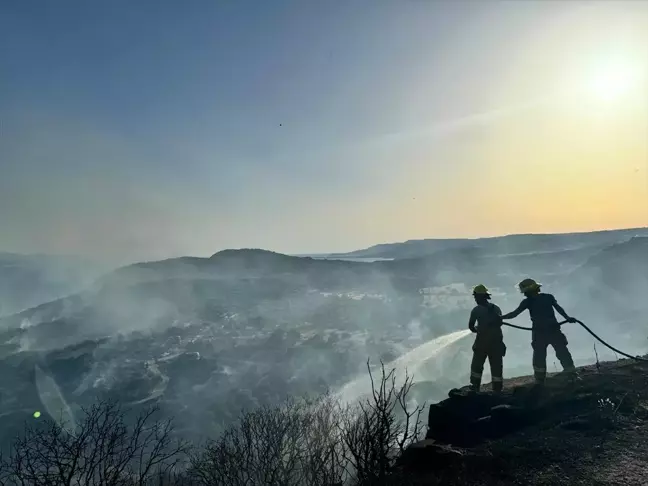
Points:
point(489, 342)
point(545, 328)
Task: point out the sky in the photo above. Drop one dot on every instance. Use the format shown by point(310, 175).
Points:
point(143, 130)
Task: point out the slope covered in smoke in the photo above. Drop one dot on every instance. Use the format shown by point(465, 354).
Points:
point(205, 337)
point(620, 268)
point(148, 295)
point(614, 282)
point(29, 280)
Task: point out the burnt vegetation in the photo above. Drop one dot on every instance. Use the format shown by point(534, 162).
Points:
point(104, 449)
point(318, 441)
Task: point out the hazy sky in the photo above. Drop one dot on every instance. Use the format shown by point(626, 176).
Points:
point(145, 129)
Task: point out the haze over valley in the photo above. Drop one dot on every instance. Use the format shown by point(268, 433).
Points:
point(208, 337)
point(233, 214)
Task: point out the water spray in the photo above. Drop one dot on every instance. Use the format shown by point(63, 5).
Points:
point(408, 363)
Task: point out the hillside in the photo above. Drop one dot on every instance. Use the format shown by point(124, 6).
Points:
point(622, 266)
point(613, 283)
point(591, 432)
point(249, 327)
point(254, 284)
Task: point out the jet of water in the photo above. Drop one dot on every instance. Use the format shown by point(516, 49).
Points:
point(409, 363)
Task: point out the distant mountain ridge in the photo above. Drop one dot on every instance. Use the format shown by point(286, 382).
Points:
point(519, 243)
point(239, 263)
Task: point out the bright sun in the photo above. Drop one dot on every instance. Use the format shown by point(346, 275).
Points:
point(612, 80)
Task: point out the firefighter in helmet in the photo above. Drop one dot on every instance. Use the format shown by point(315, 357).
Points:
point(545, 328)
point(486, 322)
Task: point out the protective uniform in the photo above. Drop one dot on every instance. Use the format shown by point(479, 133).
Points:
point(489, 342)
point(545, 328)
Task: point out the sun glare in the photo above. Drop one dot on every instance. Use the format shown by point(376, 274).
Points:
point(613, 80)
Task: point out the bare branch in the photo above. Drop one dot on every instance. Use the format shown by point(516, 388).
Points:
point(103, 451)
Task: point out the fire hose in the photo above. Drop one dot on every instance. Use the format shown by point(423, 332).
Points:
point(636, 358)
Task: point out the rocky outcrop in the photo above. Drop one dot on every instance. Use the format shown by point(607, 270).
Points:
point(558, 430)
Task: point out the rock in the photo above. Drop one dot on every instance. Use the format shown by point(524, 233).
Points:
point(454, 392)
point(453, 420)
point(467, 419)
point(483, 428)
point(429, 455)
point(508, 413)
point(508, 418)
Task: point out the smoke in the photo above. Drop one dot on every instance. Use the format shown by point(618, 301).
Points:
point(206, 338)
point(27, 281)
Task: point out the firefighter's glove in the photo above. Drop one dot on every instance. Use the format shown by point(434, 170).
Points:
point(572, 320)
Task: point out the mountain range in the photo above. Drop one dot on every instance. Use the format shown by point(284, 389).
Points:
point(207, 337)
point(510, 244)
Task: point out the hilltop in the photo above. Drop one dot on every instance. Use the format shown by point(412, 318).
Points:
point(591, 432)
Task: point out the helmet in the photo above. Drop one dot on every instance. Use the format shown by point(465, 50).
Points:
point(480, 290)
point(529, 285)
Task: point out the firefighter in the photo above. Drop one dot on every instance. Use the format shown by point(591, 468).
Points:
point(545, 328)
point(489, 342)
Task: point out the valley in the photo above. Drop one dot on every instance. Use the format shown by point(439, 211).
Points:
point(208, 337)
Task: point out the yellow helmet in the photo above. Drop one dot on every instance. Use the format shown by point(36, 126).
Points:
point(480, 290)
point(529, 285)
